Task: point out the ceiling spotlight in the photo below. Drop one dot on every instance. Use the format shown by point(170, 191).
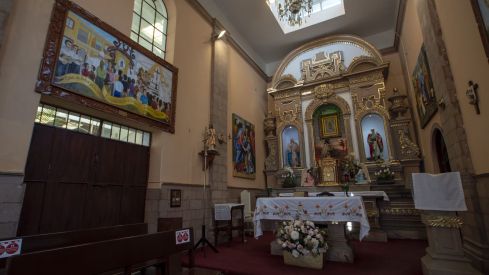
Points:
point(221, 34)
point(218, 35)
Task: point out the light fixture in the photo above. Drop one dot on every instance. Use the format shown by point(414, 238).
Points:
point(218, 34)
point(294, 11)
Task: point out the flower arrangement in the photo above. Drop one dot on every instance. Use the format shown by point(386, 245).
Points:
point(289, 177)
point(350, 168)
point(301, 238)
point(384, 173)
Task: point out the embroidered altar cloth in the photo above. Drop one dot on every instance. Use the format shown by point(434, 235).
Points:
point(316, 209)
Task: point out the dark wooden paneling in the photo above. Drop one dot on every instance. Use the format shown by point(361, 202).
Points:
point(32, 207)
point(87, 181)
point(63, 207)
point(37, 165)
point(102, 207)
point(72, 157)
point(132, 204)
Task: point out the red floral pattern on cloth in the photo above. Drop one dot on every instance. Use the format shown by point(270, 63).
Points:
point(316, 209)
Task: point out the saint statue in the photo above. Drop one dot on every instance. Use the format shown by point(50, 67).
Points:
point(293, 154)
point(211, 138)
point(375, 145)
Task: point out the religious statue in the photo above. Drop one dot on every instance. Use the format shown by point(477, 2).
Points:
point(211, 137)
point(307, 178)
point(360, 177)
point(293, 154)
point(375, 144)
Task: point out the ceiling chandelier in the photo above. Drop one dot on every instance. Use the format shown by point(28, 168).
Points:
point(294, 11)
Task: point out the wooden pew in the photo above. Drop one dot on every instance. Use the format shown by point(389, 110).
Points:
point(108, 257)
point(33, 243)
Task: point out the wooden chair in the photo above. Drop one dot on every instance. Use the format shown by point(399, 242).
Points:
point(230, 225)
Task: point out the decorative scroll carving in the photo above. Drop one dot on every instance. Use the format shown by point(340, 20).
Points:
point(269, 125)
point(400, 211)
point(323, 91)
point(271, 161)
point(286, 81)
point(409, 149)
point(322, 66)
point(289, 115)
point(443, 221)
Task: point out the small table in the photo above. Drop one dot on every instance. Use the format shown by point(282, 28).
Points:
point(223, 220)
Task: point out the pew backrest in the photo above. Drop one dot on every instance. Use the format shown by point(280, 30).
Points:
point(33, 243)
point(100, 257)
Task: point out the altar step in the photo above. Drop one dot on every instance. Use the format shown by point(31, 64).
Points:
point(398, 217)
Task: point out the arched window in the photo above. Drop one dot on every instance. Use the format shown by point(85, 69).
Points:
point(149, 25)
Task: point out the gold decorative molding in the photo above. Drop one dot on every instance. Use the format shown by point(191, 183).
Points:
point(442, 221)
point(322, 66)
point(335, 39)
point(371, 77)
point(409, 149)
point(400, 211)
point(323, 91)
point(286, 94)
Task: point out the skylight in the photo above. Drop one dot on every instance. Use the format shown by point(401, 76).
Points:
point(322, 10)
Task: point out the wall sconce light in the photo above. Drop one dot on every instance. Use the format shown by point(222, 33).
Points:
point(218, 35)
point(441, 103)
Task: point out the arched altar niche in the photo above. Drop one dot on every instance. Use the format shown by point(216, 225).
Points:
point(374, 138)
point(329, 127)
point(291, 148)
point(319, 106)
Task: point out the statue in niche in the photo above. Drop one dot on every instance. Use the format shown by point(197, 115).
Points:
point(293, 154)
point(211, 138)
point(375, 144)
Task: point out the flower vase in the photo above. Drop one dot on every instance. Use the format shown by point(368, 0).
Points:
point(309, 261)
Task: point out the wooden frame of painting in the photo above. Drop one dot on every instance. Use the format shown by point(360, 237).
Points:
point(328, 126)
point(423, 89)
point(175, 198)
point(244, 158)
point(88, 62)
point(481, 11)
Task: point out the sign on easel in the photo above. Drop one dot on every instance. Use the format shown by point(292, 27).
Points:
point(182, 236)
point(9, 248)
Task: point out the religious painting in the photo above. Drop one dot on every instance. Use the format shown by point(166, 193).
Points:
point(423, 89)
point(291, 150)
point(481, 11)
point(328, 126)
point(244, 162)
point(374, 138)
point(94, 63)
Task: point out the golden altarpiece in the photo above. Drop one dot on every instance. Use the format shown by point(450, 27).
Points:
point(329, 104)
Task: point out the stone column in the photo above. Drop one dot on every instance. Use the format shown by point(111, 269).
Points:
point(445, 254)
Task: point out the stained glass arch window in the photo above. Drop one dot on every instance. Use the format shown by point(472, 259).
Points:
point(149, 25)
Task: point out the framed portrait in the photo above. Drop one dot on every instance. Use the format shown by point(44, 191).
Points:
point(88, 62)
point(244, 162)
point(423, 89)
point(481, 11)
point(328, 126)
point(175, 198)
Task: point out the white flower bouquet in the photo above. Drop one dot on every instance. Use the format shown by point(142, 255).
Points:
point(384, 173)
point(301, 238)
point(289, 177)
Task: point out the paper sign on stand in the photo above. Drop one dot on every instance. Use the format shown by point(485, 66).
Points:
point(9, 248)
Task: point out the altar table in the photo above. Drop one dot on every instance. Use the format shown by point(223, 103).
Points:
point(316, 209)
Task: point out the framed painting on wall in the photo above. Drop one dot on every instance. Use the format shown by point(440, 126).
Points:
point(328, 126)
point(423, 89)
point(481, 11)
point(88, 62)
point(244, 162)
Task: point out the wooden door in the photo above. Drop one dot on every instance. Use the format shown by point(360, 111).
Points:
point(76, 181)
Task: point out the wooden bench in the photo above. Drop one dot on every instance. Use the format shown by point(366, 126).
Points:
point(108, 257)
point(34, 243)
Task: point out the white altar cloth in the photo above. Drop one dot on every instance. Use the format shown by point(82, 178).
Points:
point(443, 192)
point(342, 194)
point(316, 209)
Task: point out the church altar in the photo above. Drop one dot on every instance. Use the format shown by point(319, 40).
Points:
point(316, 209)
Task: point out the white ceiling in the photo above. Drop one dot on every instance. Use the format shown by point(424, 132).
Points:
point(253, 26)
